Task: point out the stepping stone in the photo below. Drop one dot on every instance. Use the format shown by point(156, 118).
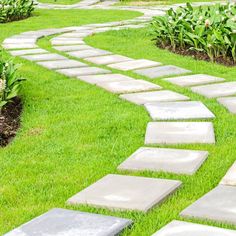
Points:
point(44, 57)
point(72, 48)
point(216, 90)
point(229, 103)
point(157, 96)
point(126, 192)
point(179, 133)
point(62, 64)
point(27, 52)
point(217, 205)
point(73, 72)
point(178, 110)
point(177, 161)
point(19, 45)
point(76, 35)
point(67, 41)
point(128, 86)
point(71, 223)
point(230, 177)
point(96, 79)
point(134, 64)
point(104, 60)
point(161, 71)
point(89, 53)
point(192, 80)
point(181, 228)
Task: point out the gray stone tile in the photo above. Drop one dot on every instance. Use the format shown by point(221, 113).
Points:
point(73, 72)
point(192, 80)
point(178, 110)
point(65, 41)
point(19, 45)
point(229, 103)
point(27, 52)
point(71, 223)
point(44, 57)
point(157, 96)
point(230, 177)
point(104, 60)
point(181, 228)
point(216, 90)
point(71, 48)
point(126, 192)
point(134, 64)
point(62, 64)
point(177, 161)
point(160, 71)
point(89, 53)
point(76, 34)
point(217, 205)
point(96, 79)
point(179, 133)
point(128, 86)
point(19, 40)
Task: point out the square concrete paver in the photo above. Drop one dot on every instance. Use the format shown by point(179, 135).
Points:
point(89, 53)
point(165, 159)
point(96, 79)
point(27, 52)
point(216, 90)
point(126, 192)
point(71, 48)
point(217, 205)
point(62, 222)
point(160, 71)
point(230, 177)
point(83, 71)
point(178, 110)
point(134, 64)
point(44, 57)
point(229, 103)
point(128, 86)
point(156, 96)
point(192, 80)
point(181, 228)
point(61, 64)
point(104, 60)
point(179, 133)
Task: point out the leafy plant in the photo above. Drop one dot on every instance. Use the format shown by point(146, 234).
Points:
point(209, 29)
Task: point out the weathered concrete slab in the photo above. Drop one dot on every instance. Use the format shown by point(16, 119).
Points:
point(44, 57)
point(27, 52)
point(71, 48)
point(89, 53)
point(61, 64)
point(230, 177)
point(19, 45)
point(65, 41)
point(229, 103)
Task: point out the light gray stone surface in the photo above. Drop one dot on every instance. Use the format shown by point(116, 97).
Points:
point(88, 53)
point(216, 90)
point(229, 103)
point(104, 60)
point(61, 64)
point(181, 228)
point(65, 41)
point(71, 48)
point(156, 96)
point(178, 110)
point(230, 177)
point(62, 222)
point(160, 71)
point(217, 205)
point(96, 79)
point(44, 57)
point(192, 80)
point(83, 71)
point(126, 192)
point(179, 133)
point(128, 86)
point(27, 52)
point(134, 64)
point(165, 159)
point(19, 45)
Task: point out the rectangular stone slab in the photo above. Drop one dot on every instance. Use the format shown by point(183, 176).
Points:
point(27, 52)
point(44, 57)
point(61, 64)
point(229, 103)
point(66, 41)
point(71, 223)
point(104, 60)
point(128, 86)
point(161, 71)
point(156, 96)
point(126, 192)
point(181, 228)
point(19, 45)
point(177, 161)
point(134, 64)
point(71, 48)
point(230, 177)
point(179, 133)
point(88, 53)
point(192, 80)
point(178, 110)
point(216, 90)
point(217, 205)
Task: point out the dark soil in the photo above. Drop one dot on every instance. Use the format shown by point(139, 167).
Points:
point(10, 121)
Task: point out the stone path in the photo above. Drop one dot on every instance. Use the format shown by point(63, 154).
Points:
point(124, 192)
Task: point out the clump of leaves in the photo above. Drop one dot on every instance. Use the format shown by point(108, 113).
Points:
point(11, 10)
point(208, 29)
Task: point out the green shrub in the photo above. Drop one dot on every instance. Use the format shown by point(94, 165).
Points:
point(208, 30)
point(11, 10)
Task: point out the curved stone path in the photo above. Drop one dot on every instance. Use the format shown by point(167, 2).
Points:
point(165, 108)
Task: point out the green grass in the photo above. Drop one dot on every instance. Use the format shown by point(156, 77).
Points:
point(64, 2)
